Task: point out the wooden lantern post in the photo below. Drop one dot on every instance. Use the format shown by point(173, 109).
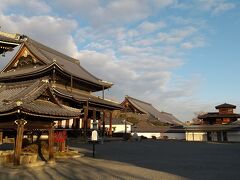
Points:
point(18, 147)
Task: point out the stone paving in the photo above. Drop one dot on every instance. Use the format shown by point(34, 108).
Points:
point(141, 160)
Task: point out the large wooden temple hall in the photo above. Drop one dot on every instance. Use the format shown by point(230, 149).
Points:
point(40, 86)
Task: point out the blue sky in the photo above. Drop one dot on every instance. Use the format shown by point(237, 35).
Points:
point(181, 56)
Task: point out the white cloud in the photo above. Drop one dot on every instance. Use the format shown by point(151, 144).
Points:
point(53, 31)
point(176, 36)
point(216, 6)
point(222, 7)
point(163, 3)
point(25, 6)
point(137, 77)
point(195, 43)
point(149, 27)
point(102, 13)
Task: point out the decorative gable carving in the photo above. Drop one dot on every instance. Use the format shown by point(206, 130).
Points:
point(24, 60)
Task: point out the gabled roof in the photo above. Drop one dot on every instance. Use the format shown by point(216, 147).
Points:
point(149, 109)
point(225, 105)
point(24, 97)
point(49, 56)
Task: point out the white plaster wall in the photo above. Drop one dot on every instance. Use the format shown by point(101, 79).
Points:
point(233, 136)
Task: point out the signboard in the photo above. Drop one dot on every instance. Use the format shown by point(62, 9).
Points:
point(94, 135)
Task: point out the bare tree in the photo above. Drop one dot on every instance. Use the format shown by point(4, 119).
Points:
point(196, 120)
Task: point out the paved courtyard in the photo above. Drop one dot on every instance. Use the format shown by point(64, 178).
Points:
point(141, 160)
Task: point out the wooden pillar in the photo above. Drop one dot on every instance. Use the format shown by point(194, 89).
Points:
point(73, 123)
point(85, 122)
point(59, 124)
point(1, 137)
point(67, 124)
point(110, 124)
point(18, 147)
point(99, 124)
point(103, 124)
point(51, 142)
point(88, 123)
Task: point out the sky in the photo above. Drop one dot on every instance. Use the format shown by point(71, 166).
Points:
point(182, 57)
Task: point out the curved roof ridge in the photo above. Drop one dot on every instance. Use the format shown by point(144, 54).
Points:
point(151, 110)
point(49, 49)
point(166, 113)
point(138, 107)
point(225, 105)
point(137, 100)
point(31, 90)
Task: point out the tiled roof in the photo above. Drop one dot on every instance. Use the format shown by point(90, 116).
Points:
point(94, 100)
point(149, 109)
point(22, 72)
point(225, 105)
point(43, 107)
point(145, 127)
point(24, 96)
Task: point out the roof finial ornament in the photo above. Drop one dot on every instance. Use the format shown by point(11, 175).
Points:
point(54, 60)
point(19, 102)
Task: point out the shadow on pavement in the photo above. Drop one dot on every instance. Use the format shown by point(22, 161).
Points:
point(193, 160)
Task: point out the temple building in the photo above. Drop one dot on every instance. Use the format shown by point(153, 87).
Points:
point(144, 110)
point(218, 126)
point(40, 86)
point(148, 121)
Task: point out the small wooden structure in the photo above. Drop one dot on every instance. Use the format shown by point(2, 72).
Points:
point(216, 126)
point(29, 106)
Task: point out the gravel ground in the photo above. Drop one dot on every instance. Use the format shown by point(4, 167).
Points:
point(141, 160)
